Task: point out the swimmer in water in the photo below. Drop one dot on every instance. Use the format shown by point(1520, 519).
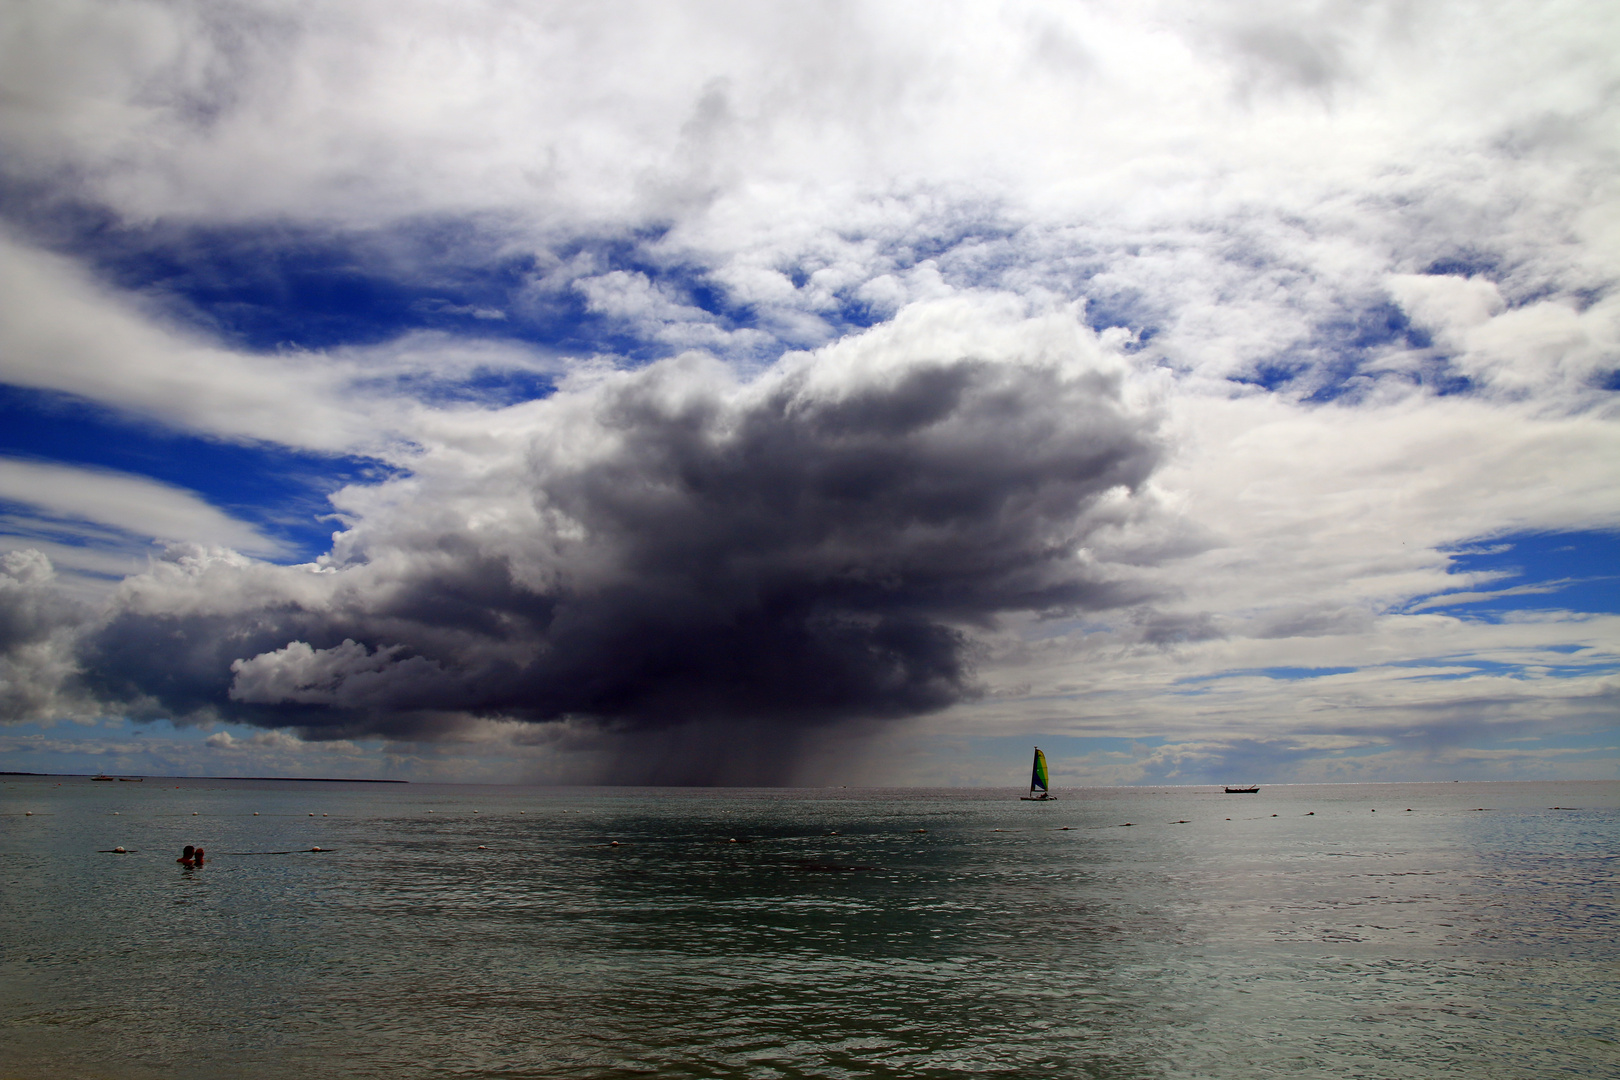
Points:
point(198, 855)
point(188, 857)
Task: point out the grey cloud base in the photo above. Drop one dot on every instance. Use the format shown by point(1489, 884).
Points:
point(675, 546)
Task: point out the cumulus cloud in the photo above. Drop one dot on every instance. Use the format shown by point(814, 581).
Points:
point(271, 740)
point(633, 300)
point(38, 629)
point(1547, 346)
point(347, 675)
point(672, 545)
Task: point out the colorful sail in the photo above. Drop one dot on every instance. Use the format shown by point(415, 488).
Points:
point(1037, 780)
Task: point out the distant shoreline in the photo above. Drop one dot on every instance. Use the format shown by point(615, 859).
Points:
point(297, 779)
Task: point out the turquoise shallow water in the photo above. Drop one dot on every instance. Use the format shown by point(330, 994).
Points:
point(1472, 935)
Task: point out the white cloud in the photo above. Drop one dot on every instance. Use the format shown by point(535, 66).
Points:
point(133, 504)
point(1446, 303)
point(62, 331)
point(1550, 345)
point(38, 629)
point(632, 298)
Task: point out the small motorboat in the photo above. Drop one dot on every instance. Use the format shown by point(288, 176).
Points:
point(1250, 790)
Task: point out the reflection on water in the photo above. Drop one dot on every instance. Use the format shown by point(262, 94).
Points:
point(716, 933)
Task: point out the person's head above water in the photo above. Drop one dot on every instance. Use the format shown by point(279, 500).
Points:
point(198, 856)
point(188, 855)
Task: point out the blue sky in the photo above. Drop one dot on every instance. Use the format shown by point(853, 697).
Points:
point(725, 394)
point(1576, 570)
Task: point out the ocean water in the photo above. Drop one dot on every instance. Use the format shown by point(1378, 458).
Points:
point(1414, 931)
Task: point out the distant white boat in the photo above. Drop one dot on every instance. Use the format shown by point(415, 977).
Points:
point(1039, 787)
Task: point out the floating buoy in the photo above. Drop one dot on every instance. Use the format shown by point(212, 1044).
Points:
point(115, 813)
point(922, 830)
point(119, 851)
point(481, 847)
point(314, 849)
point(1127, 825)
point(615, 843)
point(733, 840)
point(312, 813)
point(833, 833)
point(1310, 813)
point(523, 811)
point(194, 813)
point(1408, 809)
point(475, 811)
point(323, 815)
point(1273, 815)
point(255, 813)
point(28, 813)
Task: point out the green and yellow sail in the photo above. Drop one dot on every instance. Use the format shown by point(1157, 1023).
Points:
point(1037, 779)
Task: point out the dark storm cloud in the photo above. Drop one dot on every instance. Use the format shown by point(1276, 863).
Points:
point(672, 546)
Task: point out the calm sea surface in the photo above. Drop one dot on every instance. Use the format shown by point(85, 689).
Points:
point(1404, 931)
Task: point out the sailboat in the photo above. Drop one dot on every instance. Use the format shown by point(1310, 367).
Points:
point(1037, 780)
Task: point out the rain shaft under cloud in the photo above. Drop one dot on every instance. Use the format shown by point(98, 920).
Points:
point(672, 545)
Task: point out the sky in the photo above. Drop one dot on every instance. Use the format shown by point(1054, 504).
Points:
point(825, 393)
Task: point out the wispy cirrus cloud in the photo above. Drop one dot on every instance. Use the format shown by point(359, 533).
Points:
point(61, 496)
